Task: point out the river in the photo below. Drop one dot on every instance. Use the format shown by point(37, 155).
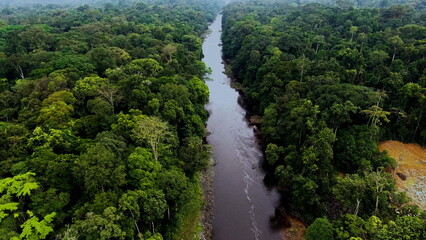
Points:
point(243, 204)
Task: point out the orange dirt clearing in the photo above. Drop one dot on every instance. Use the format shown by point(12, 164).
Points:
point(411, 160)
point(295, 232)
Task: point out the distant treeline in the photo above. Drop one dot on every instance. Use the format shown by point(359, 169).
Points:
point(330, 83)
point(120, 3)
point(32, 3)
point(418, 4)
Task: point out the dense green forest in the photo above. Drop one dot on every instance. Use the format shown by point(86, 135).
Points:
point(330, 82)
point(102, 120)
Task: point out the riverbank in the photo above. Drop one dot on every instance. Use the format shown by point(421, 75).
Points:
point(295, 232)
point(207, 210)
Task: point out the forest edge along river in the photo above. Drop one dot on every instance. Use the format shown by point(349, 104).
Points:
point(243, 205)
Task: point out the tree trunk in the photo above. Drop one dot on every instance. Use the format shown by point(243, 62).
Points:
point(136, 224)
point(378, 190)
point(335, 135)
point(417, 127)
point(376, 211)
point(394, 54)
point(358, 201)
point(20, 71)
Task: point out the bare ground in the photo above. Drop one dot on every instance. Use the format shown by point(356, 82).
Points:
point(410, 173)
point(295, 232)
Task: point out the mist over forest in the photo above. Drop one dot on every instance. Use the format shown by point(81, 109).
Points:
point(29, 3)
point(346, 3)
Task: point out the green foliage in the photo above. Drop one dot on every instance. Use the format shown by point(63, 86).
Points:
point(273, 153)
point(143, 168)
point(100, 169)
point(320, 229)
point(98, 106)
point(34, 229)
point(144, 68)
point(151, 131)
point(354, 227)
point(57, 109)
point(195, 154)
point(21, 186)
point(103, 226)
point(331, 81)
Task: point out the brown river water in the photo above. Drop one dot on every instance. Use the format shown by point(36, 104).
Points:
point(243, 204)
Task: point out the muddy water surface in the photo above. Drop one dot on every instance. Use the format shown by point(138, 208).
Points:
point(243, 204)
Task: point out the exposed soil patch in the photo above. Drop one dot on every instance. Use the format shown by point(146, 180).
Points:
point(295, 232)
point(255, 120)
point(410, 173)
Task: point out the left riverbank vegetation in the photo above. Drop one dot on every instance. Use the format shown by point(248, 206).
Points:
point(331, 81)
point(102, 120)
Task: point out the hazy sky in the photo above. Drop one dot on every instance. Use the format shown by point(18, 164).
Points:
point(61, 2)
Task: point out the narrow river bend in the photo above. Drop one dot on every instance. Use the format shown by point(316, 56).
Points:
point(243, 204)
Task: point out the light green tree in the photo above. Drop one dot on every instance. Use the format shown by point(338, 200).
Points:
point(18, 187)
point(152, 131)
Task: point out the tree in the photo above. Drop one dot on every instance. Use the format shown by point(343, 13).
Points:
point(350, 190)
point(376, 115)
point(199, 91)
point(153, 207)
point(144, 67)
point(412, 97)
point(378, 57)
point(35, 229)
point(89, 86)
point(21, 186)
point(302, 65)
point(341, 113)
point(153, 131)
point(57, 109)
point(350, 226)
point(99, 169)
point(194, 154)
point(320, 229)
point(103, 226)
point(273, 153)
point(103, 58)
point(318, 153)
point(381, 187)
point(169, 50)
point(130, 202)
point(353, 30)
point(96, 86)
point(175, 185)
point(143, 168)
point(396, 42)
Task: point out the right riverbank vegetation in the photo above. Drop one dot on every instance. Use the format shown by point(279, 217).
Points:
point(330, 82)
